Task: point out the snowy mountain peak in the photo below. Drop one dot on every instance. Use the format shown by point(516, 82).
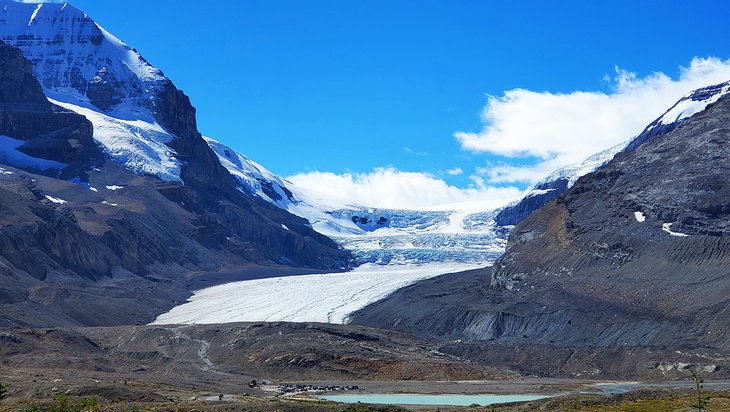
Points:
point(562, 179)
point(84, 68)
point(77, 61)
point(693, 103)
point(689, 105)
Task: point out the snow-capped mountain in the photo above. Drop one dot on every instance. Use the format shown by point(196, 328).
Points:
point(84, 68)
point(78, 59)
point(689, 105)
point(559, 181)
point(109, 191)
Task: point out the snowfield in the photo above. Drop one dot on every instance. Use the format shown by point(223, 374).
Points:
point(329, 297)
point(139, 144)
point(694, 102)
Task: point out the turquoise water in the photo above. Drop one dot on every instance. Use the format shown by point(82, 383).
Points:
point(414, 399)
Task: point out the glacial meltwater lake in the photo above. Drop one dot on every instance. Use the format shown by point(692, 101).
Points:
point(446, 400)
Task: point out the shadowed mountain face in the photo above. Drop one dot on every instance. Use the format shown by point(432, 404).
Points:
point(86, 240)
point(45, 130)
point(634, 253)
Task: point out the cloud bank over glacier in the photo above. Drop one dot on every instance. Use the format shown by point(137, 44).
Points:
point(555, 130)
point(391, 188)
point(526, 135)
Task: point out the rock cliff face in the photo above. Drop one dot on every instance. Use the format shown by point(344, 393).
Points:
point(635, 253)
point(537, 196)
point(47, 131)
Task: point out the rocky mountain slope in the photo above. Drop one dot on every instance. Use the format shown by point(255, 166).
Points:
point(635, 253)
point(552, 186)
point(228, 356)
point(110, 195)
point(561, 180)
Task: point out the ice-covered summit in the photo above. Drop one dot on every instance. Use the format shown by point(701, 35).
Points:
point(84, 68)
point(689, 105)
point(79, 62)
point(693, 103)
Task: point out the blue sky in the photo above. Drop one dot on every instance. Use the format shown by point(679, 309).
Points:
point(359, 88)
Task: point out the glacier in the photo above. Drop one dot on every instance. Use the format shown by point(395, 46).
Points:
point(140, 145)
point(327, 297)
point(457, 233)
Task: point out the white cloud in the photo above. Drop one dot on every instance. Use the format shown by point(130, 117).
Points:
point(454, 172)
point(505, 173)
point(562, 129)
point(392, 188)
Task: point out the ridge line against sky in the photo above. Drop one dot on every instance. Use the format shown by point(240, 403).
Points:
point(380, 102)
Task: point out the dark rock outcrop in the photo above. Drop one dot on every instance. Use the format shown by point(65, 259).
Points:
point(213, 194)
point(514, 214)
point(18, 87)
point(50, 132)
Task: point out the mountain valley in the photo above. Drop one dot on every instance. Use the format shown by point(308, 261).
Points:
point(146, 264)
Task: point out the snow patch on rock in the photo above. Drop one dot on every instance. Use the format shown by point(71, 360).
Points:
point(137, 144)
point(55, 199)
point(667, 227)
